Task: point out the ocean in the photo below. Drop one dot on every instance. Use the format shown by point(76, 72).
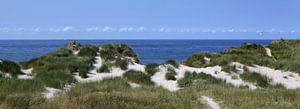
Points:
point(149, 51)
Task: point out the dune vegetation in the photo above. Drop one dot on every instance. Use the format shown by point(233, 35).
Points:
point(109, 71)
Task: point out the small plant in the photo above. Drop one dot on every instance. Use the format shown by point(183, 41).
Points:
point(137, 77)
point(151, 69)
point(122, 63)
point(172, 62)
point(260, 80)
point(88, 51)
point(10, 67)
point(187, 80)
point(104, 69)
point(170, 75)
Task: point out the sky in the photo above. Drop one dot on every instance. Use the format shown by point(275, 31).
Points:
point(149, 19)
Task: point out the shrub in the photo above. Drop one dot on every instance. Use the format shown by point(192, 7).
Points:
point(207, 78)
point(88, 51)
point(172, 62)
point(260, 80)
point(104, 69)
point(170, 75)
point(197, 60)
point(151, 69)
point(10, 67)
point(187, 80)
point(137, 77)
point(110, 52)
point(54, 78)
point(122, 63)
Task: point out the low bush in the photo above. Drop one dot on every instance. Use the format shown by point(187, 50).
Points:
point(110, 52)
point(54, 78)
point(89, 51)
point(260, 80)
point(122, 63)
point(151, 69)
point(187, 80)
point(137, 77)
point(172, 62)
point(170, 75)
point(207, 78)
point(10, 67)
point(104, 69)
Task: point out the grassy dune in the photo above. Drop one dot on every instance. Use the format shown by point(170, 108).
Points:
point(56, 70)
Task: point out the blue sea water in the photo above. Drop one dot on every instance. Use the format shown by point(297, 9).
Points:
point(149, 51)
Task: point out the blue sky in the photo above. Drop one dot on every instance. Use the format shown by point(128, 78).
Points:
point(149, 19)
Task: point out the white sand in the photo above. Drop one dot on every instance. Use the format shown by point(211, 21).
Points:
point(289, 80)
point(210, 102)
point(160, 80)
point(50, 92)
point(75, 52)
point(27, 74)
point(207, 60)
point(134, 85)
point(268, 51)
point(216, 71)
point(93, 75)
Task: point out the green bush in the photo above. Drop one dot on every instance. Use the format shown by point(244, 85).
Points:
point(110, 52)
point(137, 77)
point(89, 51)
point(122, 63)
point(10, 67)
point(187, 80)
point(197, 60)
point(104, 69)
point(207, 78)
point(260, 80)
point(55, 78)
point(170, 75)
point(172, 62)
point(151, 69)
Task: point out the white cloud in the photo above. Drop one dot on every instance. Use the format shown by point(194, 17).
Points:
point(123, 29)
point(105, 29)
point(231, 30)
point(127, 29)
point(54, 30)
point(92, 29)
point(162, 29)
point(141, 29)
point(36, 29)
point(67, 28)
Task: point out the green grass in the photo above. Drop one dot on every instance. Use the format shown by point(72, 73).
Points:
point(10, 67)
point(104, 69)
point(137, 77)
point(170, 75)
point(117, 94)
point(187, 80)
point(88, 51)
point(122, 63)
point(56, 68)
point(151, 69)
point(15, 86)
point(111, 52)
point(172, 62)
point(260, 80)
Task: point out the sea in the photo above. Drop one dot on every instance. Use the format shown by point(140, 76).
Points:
point(148, 51)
